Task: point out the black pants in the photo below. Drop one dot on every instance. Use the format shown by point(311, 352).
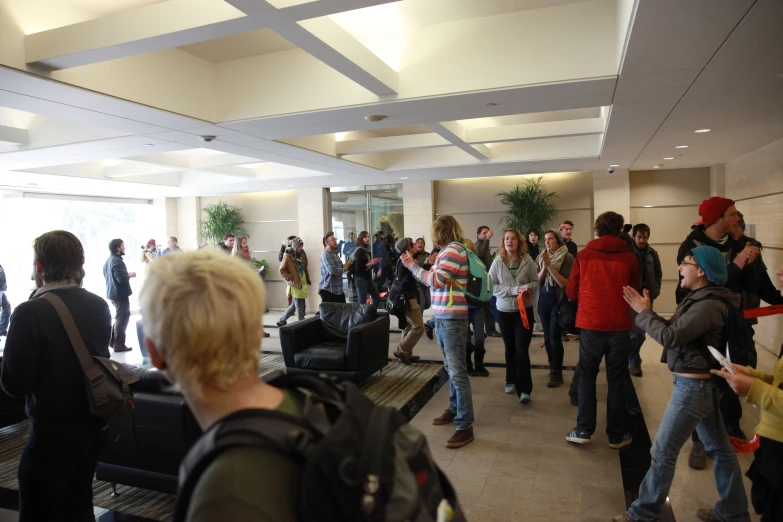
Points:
point(56, 472)
point(329, 297)
point(766, 473)
point(121, 319)
point(516, 339)
point(593, 347)
point(548, 306)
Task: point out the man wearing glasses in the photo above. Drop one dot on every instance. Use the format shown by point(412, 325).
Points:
point(719, 217)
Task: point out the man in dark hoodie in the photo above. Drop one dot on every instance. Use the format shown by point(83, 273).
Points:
point(697, 323)
point(600, 272)
point(719, 218)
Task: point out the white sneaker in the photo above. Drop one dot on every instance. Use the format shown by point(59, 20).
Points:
point(524, 398)
point(509, 388)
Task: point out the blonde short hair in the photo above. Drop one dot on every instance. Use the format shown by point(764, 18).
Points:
point(521, 244)
point(469, 244)
point(446, 230)
point(203, 310)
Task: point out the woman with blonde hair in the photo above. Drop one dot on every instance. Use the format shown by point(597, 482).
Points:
point(241, 249)
point(554, 264)
point(447, 277)
point(514, 273)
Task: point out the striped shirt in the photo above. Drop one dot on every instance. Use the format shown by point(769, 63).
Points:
point(451, 264)
point(331, 273)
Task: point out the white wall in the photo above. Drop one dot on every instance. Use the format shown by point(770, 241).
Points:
point(755, 182)
point(418, 199)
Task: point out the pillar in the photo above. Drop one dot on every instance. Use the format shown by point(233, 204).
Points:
point(418, 203)
point(188, 217)
point(314, 222)
point(612, 192)
point(718, 180)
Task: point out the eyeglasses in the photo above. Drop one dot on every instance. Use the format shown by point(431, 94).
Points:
point(683, 263)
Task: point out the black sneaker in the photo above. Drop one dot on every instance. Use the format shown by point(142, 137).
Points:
point(579, 437)
point(494, 333)
point(622, 442)
point(428, 332)
point(280, 324)
point(123, 349)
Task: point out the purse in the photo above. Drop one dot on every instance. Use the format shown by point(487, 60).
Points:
point(566, 315)
point(107, 382)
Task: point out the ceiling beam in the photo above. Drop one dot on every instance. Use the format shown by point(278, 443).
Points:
point(535, 131)
point(325, 40)
point(455, 134)
point(14, 135)
point(390, 144)
point(219, 160)
point(175, 23)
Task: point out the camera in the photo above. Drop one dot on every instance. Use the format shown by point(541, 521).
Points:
point(610, 170)
point(207, 138)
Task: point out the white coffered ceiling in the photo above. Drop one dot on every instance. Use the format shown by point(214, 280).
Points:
point(112, 96)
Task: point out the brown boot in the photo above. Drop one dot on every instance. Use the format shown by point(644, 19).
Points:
point(446, 418)
point(460, 438)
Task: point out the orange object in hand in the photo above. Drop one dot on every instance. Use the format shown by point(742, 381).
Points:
point(521, 298)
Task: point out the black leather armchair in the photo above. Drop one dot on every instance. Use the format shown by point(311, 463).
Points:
point(349, 341)
point(145, 450)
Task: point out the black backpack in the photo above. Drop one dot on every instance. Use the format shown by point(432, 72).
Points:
point(735, 332)
point(359, 461)
point(397, 301)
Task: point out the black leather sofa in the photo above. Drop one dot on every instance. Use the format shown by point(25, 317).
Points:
point(349, 341)
point(145, 450)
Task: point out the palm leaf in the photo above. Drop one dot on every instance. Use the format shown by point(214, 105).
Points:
point(528, 205)
point(222, 219)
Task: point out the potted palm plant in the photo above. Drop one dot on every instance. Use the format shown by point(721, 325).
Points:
point(222, 219)
point(528, 205)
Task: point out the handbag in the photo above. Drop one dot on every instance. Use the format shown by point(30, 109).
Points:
point(566, 315)
point(107, 382)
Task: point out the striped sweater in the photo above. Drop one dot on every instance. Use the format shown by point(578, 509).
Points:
point(451, 264)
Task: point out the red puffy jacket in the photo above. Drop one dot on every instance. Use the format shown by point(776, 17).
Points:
point(600, 272)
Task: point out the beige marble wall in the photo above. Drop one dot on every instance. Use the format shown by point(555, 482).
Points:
point(668, 201)
point(475, 202)
point(755, 182)
point(611, 192)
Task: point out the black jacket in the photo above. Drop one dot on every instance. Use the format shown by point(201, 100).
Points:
point(697, 323)
point(117, 280)
point(39, 361)
point(739, 280)
point(572, 248)
point(409, 287)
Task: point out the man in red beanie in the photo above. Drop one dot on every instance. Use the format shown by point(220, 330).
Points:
point(719, 218)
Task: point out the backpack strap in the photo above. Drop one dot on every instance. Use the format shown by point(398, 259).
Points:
point(259, 429)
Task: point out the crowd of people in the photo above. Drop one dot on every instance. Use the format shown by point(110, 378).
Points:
point(203, 328)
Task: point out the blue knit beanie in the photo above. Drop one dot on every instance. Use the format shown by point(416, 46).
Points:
point(712, 263)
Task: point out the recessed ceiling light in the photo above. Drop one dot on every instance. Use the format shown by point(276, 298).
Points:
point(656, 166)
point(149, 145)
point(681, 147)
point(614, 165)
point(375, 117)
point(404, 177)
point(490, 104)
point(702, 130)
point(648, 206)
point(669, 158)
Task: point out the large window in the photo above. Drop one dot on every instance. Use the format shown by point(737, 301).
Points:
point(372, 208)
point(95, 221)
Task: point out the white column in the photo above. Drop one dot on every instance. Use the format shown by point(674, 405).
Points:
point(188, 217)
point(718, 180)
point(313, 224)
point(418, 200)
point(612, 192)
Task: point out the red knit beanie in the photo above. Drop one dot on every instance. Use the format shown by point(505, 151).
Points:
point(712, 209)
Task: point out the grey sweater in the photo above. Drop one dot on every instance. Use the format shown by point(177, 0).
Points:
point(505, 286)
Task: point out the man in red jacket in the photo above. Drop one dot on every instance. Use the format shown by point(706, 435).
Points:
point(600, 272)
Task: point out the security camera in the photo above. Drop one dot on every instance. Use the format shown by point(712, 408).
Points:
point(207, 138)
point(610, 170)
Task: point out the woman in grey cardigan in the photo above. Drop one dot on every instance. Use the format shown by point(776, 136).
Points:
point(513, 272)
point(554, 265)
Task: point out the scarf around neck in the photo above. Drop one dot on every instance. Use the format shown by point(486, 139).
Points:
point(557, 259)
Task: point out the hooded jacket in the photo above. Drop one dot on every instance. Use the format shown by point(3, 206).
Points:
point(505, 286)
point(739, 280)
point(652, 274)
point(291, 271)
point(697, 323)
point(601, 270)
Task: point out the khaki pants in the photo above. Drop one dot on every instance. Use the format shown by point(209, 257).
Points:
point(413, 331)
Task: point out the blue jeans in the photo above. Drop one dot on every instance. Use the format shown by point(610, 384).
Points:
point(548, 306)
point(364, 288)
point(452, 340)
point(693, 405)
